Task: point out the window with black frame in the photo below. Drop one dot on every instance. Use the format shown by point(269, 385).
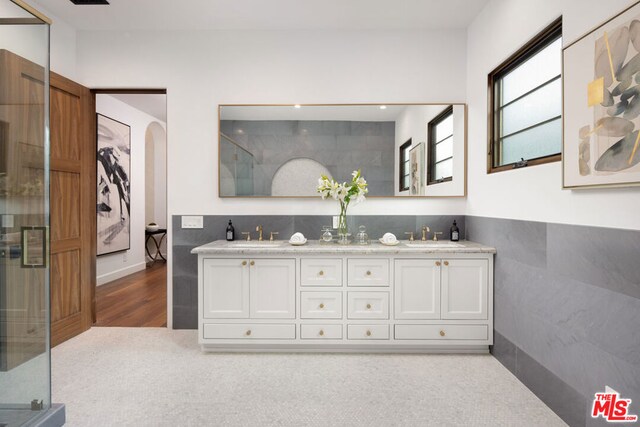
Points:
point(525, 96)
point(405, 172)
point(440, 131)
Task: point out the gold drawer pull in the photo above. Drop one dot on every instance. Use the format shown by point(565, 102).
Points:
point(368, 306)
point(248, 332)
point(368, 273)
point(321, 333)
point(442, 333)
point(438, 263)
point(244, 262)
point(252, 263)
point(321, 305)
point(446, 263)
point(368, 333)
point(321, 273)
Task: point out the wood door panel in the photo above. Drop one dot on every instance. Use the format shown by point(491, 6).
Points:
point(65, 205)
point(66, 294)
point(65, 136)
point(73, 218)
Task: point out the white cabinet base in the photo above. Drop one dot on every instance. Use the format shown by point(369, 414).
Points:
point(397, 303)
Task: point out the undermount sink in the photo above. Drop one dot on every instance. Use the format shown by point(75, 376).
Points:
point(432, 244)
point(256, 244)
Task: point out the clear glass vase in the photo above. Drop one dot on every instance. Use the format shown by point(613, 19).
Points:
point(343, 230)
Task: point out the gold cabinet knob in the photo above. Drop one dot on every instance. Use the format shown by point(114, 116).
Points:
point(442, 333)
point(321, 333)
point(244, 262)
point(252, 263)
point(368, 333)
point(321, 273)
point(438, 263)
point(368, 306)
point(368, 273)
point(248, 332)
point(446, 263)
point(321, 305)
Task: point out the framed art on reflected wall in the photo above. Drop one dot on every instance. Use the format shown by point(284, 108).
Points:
point(416, 164)
point(601, 109)
point(113, 207)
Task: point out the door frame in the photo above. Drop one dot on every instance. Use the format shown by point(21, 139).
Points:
point(149, 91)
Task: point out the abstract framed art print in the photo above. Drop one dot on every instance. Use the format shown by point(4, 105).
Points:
point(114, 192)
point(601, 105)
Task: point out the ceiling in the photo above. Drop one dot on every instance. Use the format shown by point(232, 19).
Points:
point(152, 104)
point(129, 15)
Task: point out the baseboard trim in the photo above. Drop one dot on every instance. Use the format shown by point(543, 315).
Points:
point(118, 274)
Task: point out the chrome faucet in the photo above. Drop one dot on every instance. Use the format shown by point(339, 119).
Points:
point(259, 230)
point(425, 230)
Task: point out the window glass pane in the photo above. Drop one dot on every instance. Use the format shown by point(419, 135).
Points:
point(444, 149)
point(540, 141)
point(538, 106)
point(406, 181)
point(444, 169)
point(444, 128)
point(538, 69)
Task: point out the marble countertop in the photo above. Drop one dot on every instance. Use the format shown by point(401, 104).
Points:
point(241, 247)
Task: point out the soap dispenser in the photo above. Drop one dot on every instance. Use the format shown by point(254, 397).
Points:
point(231, 233)
point(454, 233)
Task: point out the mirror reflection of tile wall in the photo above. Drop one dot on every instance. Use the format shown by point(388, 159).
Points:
point(339, 147)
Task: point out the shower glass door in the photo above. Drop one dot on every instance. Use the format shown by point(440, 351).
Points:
point(25, 368)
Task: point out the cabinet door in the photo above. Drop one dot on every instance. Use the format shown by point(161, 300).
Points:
point(273, 288)
point(464, 288)
point(226, 288)
point(417, 289)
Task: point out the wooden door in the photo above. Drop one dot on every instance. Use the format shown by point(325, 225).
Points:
point(464, 288)
point(417, 289)
point(73, 212)
point(273, 288)
point(226, 288)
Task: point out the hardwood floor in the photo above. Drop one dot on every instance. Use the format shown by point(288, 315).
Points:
point(138, 300)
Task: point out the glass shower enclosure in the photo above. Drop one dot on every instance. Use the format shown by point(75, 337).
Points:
point(25, 366)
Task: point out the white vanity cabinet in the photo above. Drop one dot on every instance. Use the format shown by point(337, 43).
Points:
point(332, 298)
point(238, 288)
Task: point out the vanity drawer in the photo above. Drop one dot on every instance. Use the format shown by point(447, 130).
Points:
point(441, 332)
point(321, 272)
point(368, 332)
point(368, 305)
point(368, 272)
point(320, 305)
point(321, 332)
point(249, 331)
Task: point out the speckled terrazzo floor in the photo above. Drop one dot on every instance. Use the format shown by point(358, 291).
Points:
point(159, 377)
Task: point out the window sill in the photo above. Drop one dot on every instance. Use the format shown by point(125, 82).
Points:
point(532, 162)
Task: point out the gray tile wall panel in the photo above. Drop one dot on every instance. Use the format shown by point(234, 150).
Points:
point(566, 303)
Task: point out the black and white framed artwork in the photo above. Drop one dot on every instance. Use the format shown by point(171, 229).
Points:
point(114, 191)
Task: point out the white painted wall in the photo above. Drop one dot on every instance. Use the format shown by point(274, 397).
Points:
point(203, 69)
point(113, 266)
point(28, 41)
point(533, 193)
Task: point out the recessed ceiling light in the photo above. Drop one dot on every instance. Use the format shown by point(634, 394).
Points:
point(383, 107)
point(297, 106)
point(89, 2)
point(239, 131)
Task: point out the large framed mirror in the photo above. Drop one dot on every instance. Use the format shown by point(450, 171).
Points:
point(402, 150)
